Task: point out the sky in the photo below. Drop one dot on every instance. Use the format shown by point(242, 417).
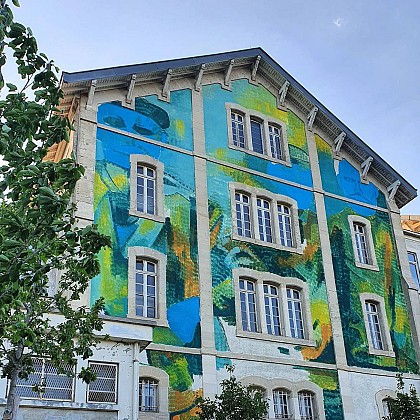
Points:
point(360, 58)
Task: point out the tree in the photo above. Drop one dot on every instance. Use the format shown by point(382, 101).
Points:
point(406, 406)
point(235, 402)
point(38, 229)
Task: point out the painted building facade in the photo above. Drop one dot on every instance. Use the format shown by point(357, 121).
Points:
point(249, 226)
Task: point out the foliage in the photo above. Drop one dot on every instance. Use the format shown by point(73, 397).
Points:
point(236, 401)
point(406, 405)
point(38, 232)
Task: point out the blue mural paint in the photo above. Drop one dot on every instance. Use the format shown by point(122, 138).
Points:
point(183, 318)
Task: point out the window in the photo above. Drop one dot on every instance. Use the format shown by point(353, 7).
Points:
point(301, 400)
point(147, 284)
point(248, 308)
point(414, 267)
point(148, 395)
point(294, 308)
point(377, 330)
point(257, 134)
point(382, 397)
point(53, 385)
point(104, 387)
point(271, 307)
point(307, 409)
point(363, 248)
point(153, 393)
point(281, 402)
point(146, 188)
point(265, 218)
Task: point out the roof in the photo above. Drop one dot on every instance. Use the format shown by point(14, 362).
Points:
point(120, 76)
point(411, 223)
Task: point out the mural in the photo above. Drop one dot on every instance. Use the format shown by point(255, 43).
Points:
point(227, 254)
point(259, 99)
point(342, 178)
point(176, 237)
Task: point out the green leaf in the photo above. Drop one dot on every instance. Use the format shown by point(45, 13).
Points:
point(11, 87)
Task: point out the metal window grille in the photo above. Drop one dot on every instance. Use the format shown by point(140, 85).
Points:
point(272, 309)
point(285, 224)
point(414, 267)
point(238, 129)
point(276, 142)
point(248, 305)
point(148, 395)
point(361, 243)
point(264, 220)
point(146, 284)
point(372, 311)
point(257, 136)
point(146, 189)
point(53, 385)
point(307, 406)
point(104, 387)
point(243, 219)
point(281, 404)
point(294, 307)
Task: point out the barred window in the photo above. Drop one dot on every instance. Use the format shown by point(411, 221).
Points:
point(148, 395)
point(104, 387)
point(281, 401)
point(307, 410)
point(52, 385)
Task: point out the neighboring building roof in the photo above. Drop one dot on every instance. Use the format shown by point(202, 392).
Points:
point(107, 78)
point(411, 223)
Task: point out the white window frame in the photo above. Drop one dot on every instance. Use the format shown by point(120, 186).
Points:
point(372, 263)
point(274, 200)
point(282, 283)
point(266, 121)
point(294, 388)
point(89, 390)
point(40, 395)
point(162, 379)
point(384, 326)
point(157, 166)
point(414, 264)
point(160, 260)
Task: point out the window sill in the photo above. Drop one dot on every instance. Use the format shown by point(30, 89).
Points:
point(260, 155)
point(153, 416)
point(376, 352)
point(373, 267)
point(154, 217)
point(297, 250)
point(158, 322)
point(275, 338)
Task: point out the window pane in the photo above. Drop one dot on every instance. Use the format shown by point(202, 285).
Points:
point(276, 142)
point(361, 243)
point(272, 311)
point(281, 404)
point(248, 305)
point(145, 288)
point(372, 311)
point(414, 268)
point(264, 220)
point(294, 308)
point(243, 219)
point(306, 406)
point(148, 395)
point(285, 224)
point(256, 136)
point(146, 189)
point(238, 129)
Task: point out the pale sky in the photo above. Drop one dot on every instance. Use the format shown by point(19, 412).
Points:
point(360, 58)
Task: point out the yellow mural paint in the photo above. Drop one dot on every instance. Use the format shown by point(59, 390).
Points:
point(121, 181)
point(322, 145)
point(100, 189)
point(324, 381)
point(180, 128)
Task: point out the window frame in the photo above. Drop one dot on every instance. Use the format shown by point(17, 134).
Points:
point(414, 264)
point(282, 283)
point(94, 362)
point(294, 388)
point(372, 263)
point(157, 166)
point(159, 259)
point(266, 121)
point(275, 200)
point(380, 397)
point(384, 326)
point(162, 379)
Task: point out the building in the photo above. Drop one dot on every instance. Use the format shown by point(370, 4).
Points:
point(249, 226)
